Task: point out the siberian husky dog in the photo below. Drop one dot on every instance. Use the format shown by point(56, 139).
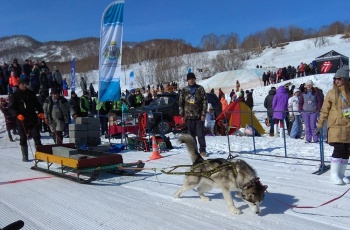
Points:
point(229, 175)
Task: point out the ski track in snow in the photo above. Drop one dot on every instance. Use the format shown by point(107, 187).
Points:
point(146, 200)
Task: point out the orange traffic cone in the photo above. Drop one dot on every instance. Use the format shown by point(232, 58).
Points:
point(155, 149)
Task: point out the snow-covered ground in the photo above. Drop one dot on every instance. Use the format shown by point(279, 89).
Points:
point(146, 200)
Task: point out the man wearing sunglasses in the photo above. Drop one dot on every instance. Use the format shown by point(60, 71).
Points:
point(336, 108)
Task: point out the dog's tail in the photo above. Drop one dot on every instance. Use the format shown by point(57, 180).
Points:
point(191, 147)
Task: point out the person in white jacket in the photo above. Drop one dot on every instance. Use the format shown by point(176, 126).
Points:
point(210, 119)
point(293, 103)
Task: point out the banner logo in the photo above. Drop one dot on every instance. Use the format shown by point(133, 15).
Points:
point(326, 66)
point(112, 52)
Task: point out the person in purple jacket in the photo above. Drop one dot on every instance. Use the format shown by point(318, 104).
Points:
point(280, 106)
point(310, 103)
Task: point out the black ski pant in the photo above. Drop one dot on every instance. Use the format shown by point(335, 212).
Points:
point(196, 128)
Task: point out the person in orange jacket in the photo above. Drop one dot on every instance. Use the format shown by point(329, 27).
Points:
point(14, 82)
point(223, 102)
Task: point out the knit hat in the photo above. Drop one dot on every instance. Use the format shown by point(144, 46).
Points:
point(22, 81)
point(210, 107)
point(54, 91)
point(191, 76)
point(296, 90)
point(343, 72)
point(309, 82)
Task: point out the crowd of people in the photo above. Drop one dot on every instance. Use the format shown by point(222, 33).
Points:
point(36, 103)
point(289, 72)
point(295, 106)
point(36, 74)
point(30, 109)
point(289, 108)
point(307, 105)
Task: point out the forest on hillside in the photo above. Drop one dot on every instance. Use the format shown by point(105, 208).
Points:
point(165, 58)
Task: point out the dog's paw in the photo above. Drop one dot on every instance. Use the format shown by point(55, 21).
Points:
point(235, 210)
point(204, 198)
point(177, 195)
point(238, 195)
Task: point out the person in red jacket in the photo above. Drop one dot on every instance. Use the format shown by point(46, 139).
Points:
point(220, 93)
point(14, 82)
point(301, 70)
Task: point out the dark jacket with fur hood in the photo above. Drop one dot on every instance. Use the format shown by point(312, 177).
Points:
point(58, 111)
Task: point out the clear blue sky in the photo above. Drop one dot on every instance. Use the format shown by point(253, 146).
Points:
point(60, 20)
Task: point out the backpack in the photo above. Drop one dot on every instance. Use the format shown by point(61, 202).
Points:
point(138, 99)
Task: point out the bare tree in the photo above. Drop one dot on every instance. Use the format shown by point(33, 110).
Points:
point(227, 60)
point(196, 60)
point(295, 33)
point(168, 69)
point(271, 35)
point(209, 42)
point(315, 41)
point(253, 44)
point(229, 42)
point(140, 78)
point(336, 28)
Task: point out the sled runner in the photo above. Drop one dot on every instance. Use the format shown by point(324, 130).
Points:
point(82, 166)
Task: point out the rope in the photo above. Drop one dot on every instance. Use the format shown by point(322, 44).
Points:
point(25, 132)
point(23, 180)
point(295, 206)
point(57, 137)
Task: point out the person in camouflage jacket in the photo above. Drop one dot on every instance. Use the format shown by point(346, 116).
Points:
point(192, 107)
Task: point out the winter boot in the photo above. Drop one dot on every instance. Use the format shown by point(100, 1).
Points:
point(336, 166)
point(275, 127)
point(343, 165)
point(24, 150)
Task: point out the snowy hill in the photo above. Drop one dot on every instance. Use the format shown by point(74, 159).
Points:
point(270, 59)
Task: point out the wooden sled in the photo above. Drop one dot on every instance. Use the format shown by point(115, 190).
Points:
point(82, 166)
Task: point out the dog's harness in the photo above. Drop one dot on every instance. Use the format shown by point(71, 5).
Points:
point(206, 174)
point(253, 181)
